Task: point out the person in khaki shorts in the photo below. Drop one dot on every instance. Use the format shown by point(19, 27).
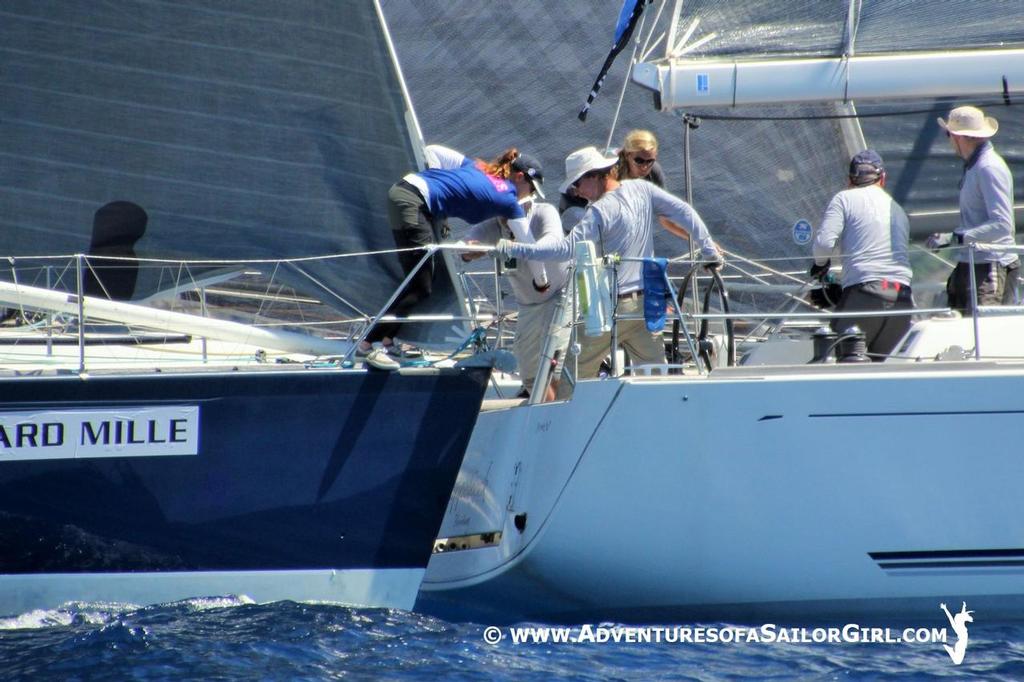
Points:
point(540, 312)
point(619, 220)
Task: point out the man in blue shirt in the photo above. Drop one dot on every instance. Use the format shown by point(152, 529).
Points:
point(986, 214)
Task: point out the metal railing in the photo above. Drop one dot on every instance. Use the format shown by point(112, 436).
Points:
point(59, 272)
point(688, 320)
point(268, 304)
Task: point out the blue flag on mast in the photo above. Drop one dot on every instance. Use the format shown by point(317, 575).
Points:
point(629, 15)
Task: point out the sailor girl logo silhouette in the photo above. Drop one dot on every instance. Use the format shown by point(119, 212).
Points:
point(959, 623)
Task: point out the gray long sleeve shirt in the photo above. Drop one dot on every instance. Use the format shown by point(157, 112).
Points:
point(620, 222)
point(871, 232)
point(986, 206)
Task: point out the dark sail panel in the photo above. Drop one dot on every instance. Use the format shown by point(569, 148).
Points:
point(246, 130)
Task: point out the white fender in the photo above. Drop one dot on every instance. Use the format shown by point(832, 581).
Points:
point(593, 290)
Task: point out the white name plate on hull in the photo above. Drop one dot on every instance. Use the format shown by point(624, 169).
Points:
point(110, 432)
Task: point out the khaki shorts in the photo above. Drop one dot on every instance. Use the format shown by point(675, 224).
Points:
point(643, 347)
point(534, 324)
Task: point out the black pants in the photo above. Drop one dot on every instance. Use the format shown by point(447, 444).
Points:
point(881, 333)
point(411, 226)
point(997, 285)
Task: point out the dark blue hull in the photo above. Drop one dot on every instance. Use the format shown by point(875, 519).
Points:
point(293, 472)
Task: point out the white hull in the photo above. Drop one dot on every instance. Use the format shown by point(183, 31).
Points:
point(384, 588)
point(756, 490)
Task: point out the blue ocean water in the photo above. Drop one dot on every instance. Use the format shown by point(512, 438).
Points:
point(233, 639)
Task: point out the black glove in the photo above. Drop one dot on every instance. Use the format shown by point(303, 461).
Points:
point(716, 263)
point(818, 272)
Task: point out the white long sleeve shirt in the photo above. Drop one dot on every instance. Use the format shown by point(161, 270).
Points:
point(621, 222)
point(544, 222)
point(869, 232)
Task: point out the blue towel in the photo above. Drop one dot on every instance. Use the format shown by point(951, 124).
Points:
point(655, 293)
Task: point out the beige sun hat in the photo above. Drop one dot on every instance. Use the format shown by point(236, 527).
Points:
point(581, 162)
point(970, 122)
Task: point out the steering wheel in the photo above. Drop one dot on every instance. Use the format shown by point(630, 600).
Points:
point(704, 346)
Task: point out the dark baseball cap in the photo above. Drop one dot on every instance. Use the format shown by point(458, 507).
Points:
point(865, 163)
point(531, 168)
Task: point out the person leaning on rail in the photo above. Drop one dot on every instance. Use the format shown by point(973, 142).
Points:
point(618, 220)
point(457, 186)
point(870, 233)
point(986, 214)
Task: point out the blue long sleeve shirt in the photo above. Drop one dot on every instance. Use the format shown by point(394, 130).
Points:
point(986, 205)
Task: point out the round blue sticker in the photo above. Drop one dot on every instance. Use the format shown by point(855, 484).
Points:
point(801, 232)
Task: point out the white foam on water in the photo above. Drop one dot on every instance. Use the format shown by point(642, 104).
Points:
point(93, 613)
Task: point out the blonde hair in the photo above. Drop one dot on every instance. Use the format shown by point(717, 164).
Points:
point(640, 141)
point(636, 141)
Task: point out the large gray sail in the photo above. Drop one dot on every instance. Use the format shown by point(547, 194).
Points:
point(245, 128)
point(484, 76)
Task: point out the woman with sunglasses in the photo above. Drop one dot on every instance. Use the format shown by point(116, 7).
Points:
point(453, 185)
point(638, 158)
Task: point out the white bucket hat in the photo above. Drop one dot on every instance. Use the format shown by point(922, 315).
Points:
point(970, 122)
point(581, 162)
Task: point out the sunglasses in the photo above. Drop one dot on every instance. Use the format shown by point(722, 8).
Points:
point(640, 161)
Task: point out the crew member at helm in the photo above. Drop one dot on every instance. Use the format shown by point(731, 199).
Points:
point(618, 220)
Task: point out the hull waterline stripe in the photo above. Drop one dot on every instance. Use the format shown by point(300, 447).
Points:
point(948, 554)
point(950, 564)
point(915, 414)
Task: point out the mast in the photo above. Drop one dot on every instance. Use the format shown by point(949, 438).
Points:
point(418, 145)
